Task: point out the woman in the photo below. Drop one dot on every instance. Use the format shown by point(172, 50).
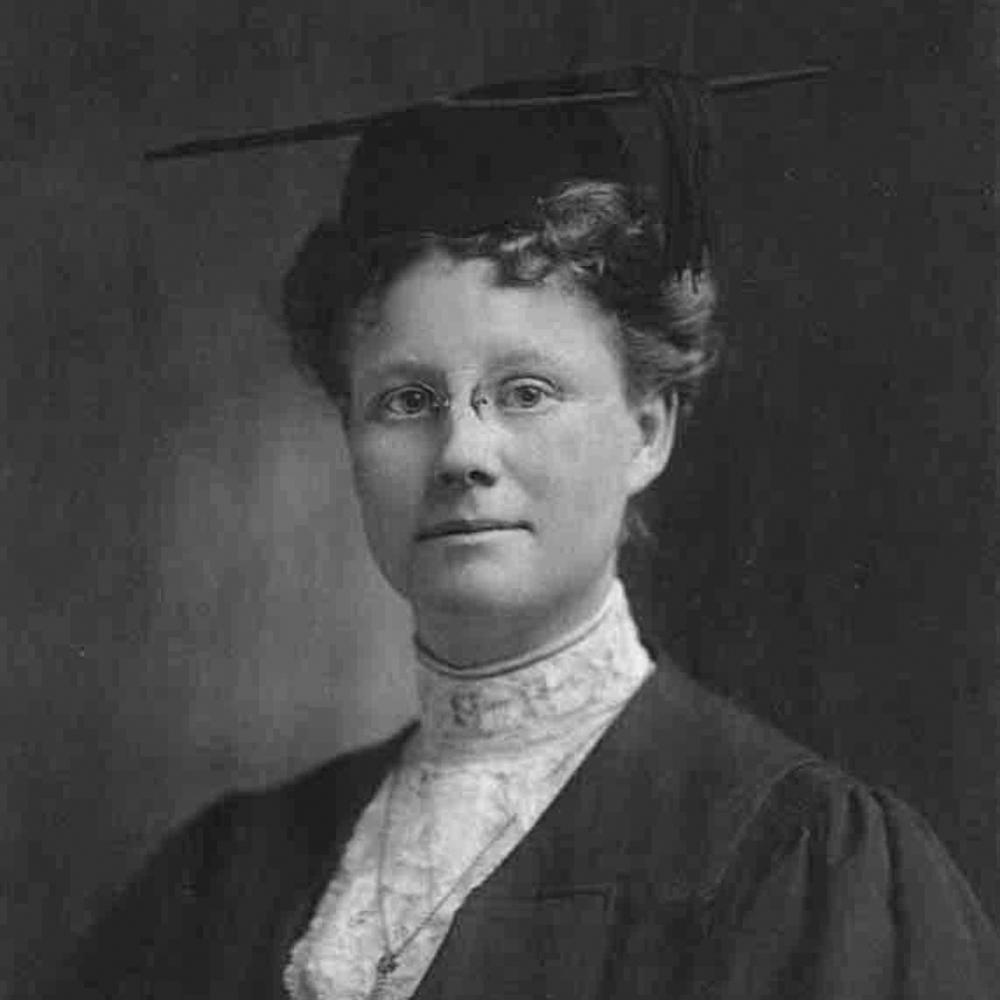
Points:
point(510, 329)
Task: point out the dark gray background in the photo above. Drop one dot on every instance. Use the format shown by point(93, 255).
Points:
point(186, 599)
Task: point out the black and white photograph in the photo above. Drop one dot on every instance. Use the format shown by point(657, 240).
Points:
point(501, 501)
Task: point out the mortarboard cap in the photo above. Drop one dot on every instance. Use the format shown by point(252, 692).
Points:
point(465, 170)
point(483, 158)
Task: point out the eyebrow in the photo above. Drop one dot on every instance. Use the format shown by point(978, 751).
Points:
point(410, 368)
point(399, 367)
point(526, 356)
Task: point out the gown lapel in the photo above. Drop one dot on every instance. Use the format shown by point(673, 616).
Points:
point(632, 837)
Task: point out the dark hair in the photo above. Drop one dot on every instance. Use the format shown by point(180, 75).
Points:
point(603, 238)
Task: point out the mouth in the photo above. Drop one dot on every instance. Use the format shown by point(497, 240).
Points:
point(463, 526)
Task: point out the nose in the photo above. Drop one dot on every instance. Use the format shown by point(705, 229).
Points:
point(467, 455)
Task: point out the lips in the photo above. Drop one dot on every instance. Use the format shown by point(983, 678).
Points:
point(468, 526)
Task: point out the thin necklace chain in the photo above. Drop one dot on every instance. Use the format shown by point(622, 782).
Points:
point(389, 958)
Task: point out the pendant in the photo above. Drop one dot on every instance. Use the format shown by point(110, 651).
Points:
point(384, 968)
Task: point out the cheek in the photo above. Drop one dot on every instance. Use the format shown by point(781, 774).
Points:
point(583, 469)
point(389, 477)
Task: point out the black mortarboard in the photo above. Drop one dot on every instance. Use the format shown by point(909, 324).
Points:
point(483, 158)
point(465, 170)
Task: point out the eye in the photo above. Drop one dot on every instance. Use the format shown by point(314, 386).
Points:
point(407, 401)
point(525, 394)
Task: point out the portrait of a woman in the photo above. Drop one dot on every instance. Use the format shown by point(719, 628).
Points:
point(511, 324)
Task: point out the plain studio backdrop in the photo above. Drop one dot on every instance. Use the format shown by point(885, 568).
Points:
point(187, 600)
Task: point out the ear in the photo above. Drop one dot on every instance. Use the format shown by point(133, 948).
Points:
point(656, 422)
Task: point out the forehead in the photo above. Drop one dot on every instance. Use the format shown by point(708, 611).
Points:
point(447, 314)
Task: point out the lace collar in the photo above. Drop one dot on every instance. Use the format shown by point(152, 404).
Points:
point(513, 705)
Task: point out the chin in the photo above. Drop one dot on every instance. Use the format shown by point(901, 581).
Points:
point(475, 590)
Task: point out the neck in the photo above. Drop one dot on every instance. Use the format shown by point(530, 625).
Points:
point(555, 692)
point(470, 637)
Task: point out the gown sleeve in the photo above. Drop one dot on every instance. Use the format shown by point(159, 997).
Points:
point(837, 892)
point(158, 932)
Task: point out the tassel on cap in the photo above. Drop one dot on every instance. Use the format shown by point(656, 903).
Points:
point(682, 111)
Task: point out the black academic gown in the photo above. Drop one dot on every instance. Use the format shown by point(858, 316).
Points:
point(695, 853)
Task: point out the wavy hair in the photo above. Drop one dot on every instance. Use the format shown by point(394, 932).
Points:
point(603, 239)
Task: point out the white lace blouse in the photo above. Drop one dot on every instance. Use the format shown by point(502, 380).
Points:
point(495, 746)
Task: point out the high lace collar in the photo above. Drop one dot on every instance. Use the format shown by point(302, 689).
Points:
point(514, 705)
